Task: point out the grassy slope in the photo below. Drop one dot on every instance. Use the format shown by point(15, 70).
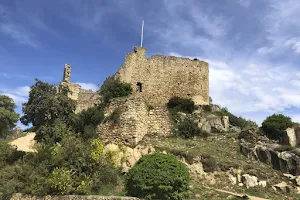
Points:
point(225, 149)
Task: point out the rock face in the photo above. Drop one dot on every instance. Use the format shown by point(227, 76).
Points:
point(291, 137)
point(126, 157)
point(249, 181)
point(134, 122)
point(69, 197)
point(213, 123)
point(285, 161)
point(282, 187)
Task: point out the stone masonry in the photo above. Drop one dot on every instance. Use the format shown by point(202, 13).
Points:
point(159, 78)
point(84, 98)
point(136, 120)
point(73, 88)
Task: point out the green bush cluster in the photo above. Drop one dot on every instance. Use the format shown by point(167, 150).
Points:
point(189, 129)
point(178, 104)
point(8, 116)
point(158, 176)
point(73, 166)
point(274, 125)
point(112, 88)
point(236, 121)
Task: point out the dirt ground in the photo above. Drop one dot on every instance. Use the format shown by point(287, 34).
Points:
point(25, 143)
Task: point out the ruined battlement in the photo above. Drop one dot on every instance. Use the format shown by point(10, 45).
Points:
point(160, 78)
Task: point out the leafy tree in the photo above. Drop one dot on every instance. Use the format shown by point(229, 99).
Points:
point(113, 88)
point(45, 105)
point(8, 117)
point(274, 125)
point(51, 134)
point(158, 176)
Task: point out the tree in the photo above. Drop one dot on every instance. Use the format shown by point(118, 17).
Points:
point(45, 105)
point(113, 88)
point(158, 176)
point(8, 117)
point(274, 125)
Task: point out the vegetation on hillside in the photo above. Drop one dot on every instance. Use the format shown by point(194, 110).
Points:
point(112, 88)
point(274, 125)
point(8, 116)
point(158, 176)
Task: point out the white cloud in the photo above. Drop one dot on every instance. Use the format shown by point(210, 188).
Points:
point(282, 27)
point(19, 94)
point(89, 86)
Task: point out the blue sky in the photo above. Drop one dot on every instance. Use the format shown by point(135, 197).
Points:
point(252, 46)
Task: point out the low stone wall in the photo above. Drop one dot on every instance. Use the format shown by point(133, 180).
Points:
point(69, 197)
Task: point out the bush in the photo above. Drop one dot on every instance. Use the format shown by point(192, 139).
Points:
point(236, 121)
point(209, 164)
point(188, 129)
point(181, 105)
point(158, 176)
point(113, 88)
point(274, 125)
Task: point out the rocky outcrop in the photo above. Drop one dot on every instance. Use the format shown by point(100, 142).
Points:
point(285, 161)
point(70, 197)
point(291, 137)
point(249, 181)
point(126, 157)
point(213, 123)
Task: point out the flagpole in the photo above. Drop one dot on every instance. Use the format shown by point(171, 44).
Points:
point(142, 35)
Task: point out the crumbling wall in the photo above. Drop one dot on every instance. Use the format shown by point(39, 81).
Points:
point(159, 78)
point(134, 122)
point(86, 99)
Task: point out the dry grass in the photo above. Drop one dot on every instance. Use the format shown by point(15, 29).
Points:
point(224, 148)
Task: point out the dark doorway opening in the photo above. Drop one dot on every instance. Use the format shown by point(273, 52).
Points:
point(139, 86)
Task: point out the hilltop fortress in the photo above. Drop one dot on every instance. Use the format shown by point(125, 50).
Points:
point(154, 81)
point(160, 78)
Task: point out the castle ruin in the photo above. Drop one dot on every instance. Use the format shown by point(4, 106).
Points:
point(154, 81)
point(160, 78)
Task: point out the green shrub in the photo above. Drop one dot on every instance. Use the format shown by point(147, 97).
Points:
point(236, 121)
point(189, 129)
point(51, 134)
point(209, 164)
point(113, 88)
point(158, 176)
point(181, 105)
point(274, 125)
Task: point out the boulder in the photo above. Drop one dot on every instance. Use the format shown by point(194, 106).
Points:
point(249, 135)
point(225, 122)
point(289, 137)
point(262, 183)
point(249, 181)
point(206, 127)
point(216, 124)
point(232, 179)
point(282, 187)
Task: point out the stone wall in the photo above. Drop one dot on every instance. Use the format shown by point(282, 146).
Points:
point(135, 121)
point(86, 99)
point(159, 78)
point(70, 197)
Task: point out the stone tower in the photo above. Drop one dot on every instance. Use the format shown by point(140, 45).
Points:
point(160, 78)
point(73, 88)
point(67, 74)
